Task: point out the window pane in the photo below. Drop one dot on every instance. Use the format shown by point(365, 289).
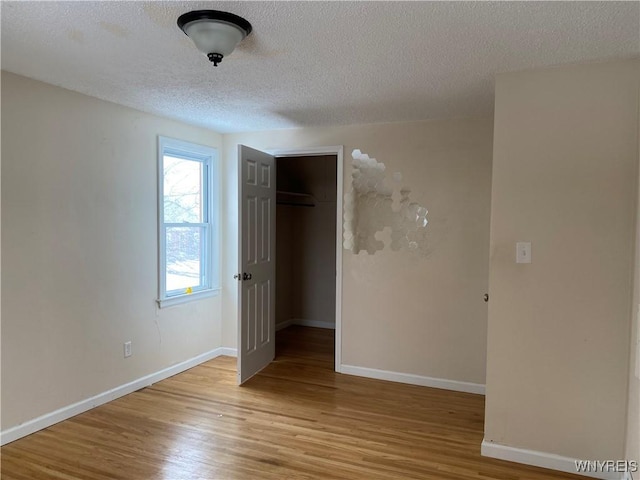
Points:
point(182, 190)
point(184, 247)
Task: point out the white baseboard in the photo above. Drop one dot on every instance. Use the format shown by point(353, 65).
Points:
point(313, 323)
point(305, 323)
point(285, 324)
point(413, 379)
point(227, 352)
point(542, 459)
point(48, 419)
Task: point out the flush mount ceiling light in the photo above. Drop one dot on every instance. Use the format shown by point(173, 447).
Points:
point(215, 33)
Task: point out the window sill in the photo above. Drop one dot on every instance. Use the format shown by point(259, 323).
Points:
point(180, 299)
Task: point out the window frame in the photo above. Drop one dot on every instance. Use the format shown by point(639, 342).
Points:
point(210, 258)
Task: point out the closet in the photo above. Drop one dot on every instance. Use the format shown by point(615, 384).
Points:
point(306, 241)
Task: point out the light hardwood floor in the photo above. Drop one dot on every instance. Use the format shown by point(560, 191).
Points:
point(295, 420)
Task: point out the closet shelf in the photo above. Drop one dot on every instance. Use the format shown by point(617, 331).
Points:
point(295, 199)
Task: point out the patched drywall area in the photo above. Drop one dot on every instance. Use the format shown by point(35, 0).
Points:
point(378, 212)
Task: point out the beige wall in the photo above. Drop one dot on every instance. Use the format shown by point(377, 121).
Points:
point(79, 250)
point(633, 415)
point(400, 312)
point(564, 177)
point(306, 241)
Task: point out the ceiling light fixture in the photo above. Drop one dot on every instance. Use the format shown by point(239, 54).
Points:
point(215, 33)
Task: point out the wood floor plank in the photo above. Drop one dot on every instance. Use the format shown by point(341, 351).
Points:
point(297, 419)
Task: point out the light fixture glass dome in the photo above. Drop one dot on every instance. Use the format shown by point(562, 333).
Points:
point(214, 33)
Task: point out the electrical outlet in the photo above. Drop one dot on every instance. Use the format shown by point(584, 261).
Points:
point(127, 349)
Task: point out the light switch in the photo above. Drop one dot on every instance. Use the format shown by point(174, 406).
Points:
point(523, 252)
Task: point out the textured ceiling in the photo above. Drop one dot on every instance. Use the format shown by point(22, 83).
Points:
point(309, 63)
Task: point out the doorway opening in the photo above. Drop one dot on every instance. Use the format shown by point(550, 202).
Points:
point(306, 251)
point(257, 259)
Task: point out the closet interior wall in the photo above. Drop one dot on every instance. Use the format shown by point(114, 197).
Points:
point(305, 241)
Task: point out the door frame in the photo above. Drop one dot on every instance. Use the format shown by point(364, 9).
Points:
point(336, 150)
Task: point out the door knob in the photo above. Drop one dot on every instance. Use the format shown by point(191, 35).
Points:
point(246, 276)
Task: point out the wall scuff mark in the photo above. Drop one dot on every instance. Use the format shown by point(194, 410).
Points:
point(376, 209)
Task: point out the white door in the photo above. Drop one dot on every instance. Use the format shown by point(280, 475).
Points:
point(257, 262)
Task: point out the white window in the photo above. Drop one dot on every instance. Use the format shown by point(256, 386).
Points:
point(187, 221)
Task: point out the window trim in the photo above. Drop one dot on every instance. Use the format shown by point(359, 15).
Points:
point(211, 258)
